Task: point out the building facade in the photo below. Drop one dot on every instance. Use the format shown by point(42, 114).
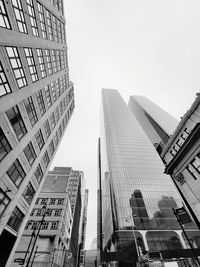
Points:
point(36, 104)
point(182, 158)
point(136, 196)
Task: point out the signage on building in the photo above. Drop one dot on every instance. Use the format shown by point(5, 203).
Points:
point(183, 215)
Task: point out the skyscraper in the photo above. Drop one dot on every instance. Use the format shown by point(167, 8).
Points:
point(134, 189)
point(36, 104)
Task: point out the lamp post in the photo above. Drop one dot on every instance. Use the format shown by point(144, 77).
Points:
point(44, 208)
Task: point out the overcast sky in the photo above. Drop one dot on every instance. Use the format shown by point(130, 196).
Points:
point(144, 47)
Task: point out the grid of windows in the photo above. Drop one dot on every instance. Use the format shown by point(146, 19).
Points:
point(62, 59)
point(45, 225)
point(58, 212)
point(31, 13)
point(46, 159)
point(58, 87)
point(40, 101)
point(61, 84)
point(48, 59)
point(54, 225)
point(4, 200)
point(4, 21)
point(30, 153)
point(47, 128)
point(31, 64)
point(58, 59)
point(51, 148)
point(55, 32)
point(41, 63)
point(53, 53)
point(39, 138)
point(42, 20)
point(19, 15)
point(31, 110)
point(53, 90)
point(38, 173)
point(49, 25)
point(29, 193)
point(59, 31)
point(16, 66)
point(16, 219)
point(5, 147)
point(16, 121)
point(4, 86)
point(16, 173)
point(48, 95)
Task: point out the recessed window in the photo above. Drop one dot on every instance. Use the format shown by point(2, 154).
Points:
point(48, 59)
point(53, 90)
point(4, 21)
point(51, 148)
point(49, 24)
point(19, 15)
point(41, 62)
point(54, 62)
point(16, 219)
point(16, 173)
point(16, 66)
point(61, 82)
point(61, 107)
point(62, 59)
point(63, 33)
point(30, 153)
point(60, 201)
point(46, 159)
point(38, 174)
point(40, 101)
point(60, 130)
point(16, 121)
point(31, 12)
point(31, 64)
point(57, 114)
point(55, 31)
point(4, 86)
point(45, 225)
point(58, 212)
point(47, 128)
point(42, 20)
point(52, 201)
point(29, 193)
point(58, 59)
point(58, 87)
point(31, 110)
point(56, 139)
point(52, 120)
point(59, 31)
point(5, 147)
point(39, 139)
point(192, 171)
point(48, 95)
point(54, 225)
point(4, 201)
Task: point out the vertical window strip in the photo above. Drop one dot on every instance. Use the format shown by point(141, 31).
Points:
point(41, 62)
point(48, 59)
point(29, 105)
point(40, 101)
point(19, 15)
point(49, 25)
point(16, 64)
point(54, 62)
point(46, 159)
point(58, 87)
point(31, 12)
point(42, 20)
point(53, 90)
point(4, 86)
point(39, 138)
point(4, 20)
point(48, 95)
point(58, 59)
point(47, 128)
point(31, 64)
point(55, 30)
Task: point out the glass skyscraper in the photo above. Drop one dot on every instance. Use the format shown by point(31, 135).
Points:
point(134, 190)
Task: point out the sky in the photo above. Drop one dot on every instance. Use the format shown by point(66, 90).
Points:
point(139, 47)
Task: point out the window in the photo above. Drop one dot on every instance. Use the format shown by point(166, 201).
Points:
point(196, 163)
point(60, 201)
point(41, 63)
point(40, 101)
point(47, 128)
point(61, 84)
point(57, 114)
point(39, 138)
point(58, 59)
point(61, 108)
point(16, 219)
point(52, 201)
point(31, 64)
point(38, 174)
point(56, 139)
point(53, 89)
point(49, 25)
point(16, 121)
point(4, 86)
point(57, 212)
point(45, 225)
point(53, 53)
point(51, 148)
point(59, 31)
point(16, 66)
point(179, 142)
point(19, 15)
point(43, 202)
point(16, 173)
point(48, 95)
point(60, 130)
point(54, 225)
point(55, 32)
point(34, 225)
point(31, 13)
point(42, 20)
point(48, 59)
point(192, 171)
point(31, 110)
point(49, 212)
point(4, 21)
point(63, 125)
point(52, 120)
point(29, 193)
point(46, 159)
point(62, 59)
point(5, 147)
point(4, 201)
point(30, 153)
point(63, 33)
point(58, 87)
point(32, 212)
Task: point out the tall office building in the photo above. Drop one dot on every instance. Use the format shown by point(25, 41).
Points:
point(158, 124)
point(133, 190)
point(36, 104)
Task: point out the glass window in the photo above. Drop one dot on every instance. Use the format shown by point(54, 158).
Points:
point(16, 219)
point(16, 66)
point(16, 121)
point(16, 173)
point(61, 82)
point(31, 110)
point(48, 59)
point(29, 193)
point(60, 130)
point(46, 159)
point(4, 21)
point(54, 225)
point(49, 24)
point(57, 114)
point(51, 148)
point(4, 201)
point(30, 153)
point(54, 62)
point(58, 87)
point(43, 202)
point(19, 15)
point(58, 59)
point(63, 33)
point(52, 201)
point(4, 86)
point(62, 61)
point(48, 95)
point(5, 147)
point(53, 90)
point(39, 138)
point(34, 225)
point(52, 120)
point(58, 212)
point(40, 101)
point(41, 63)
point(45, 225)
point(56, 139)
point(47, 128)
point(42, 20)
point(31, 64)
point(61, 107)
point(59, 31)
point(31, 12)
point(38, 174)
point(55, 31)
point(60, 201)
